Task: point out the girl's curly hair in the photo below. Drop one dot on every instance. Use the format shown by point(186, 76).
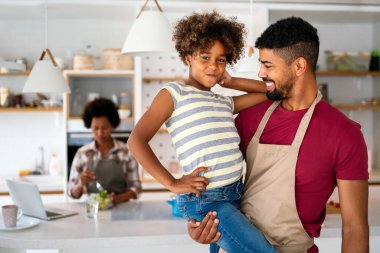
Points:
point(198, 32)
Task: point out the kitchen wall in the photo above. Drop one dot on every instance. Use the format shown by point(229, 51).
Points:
point(22, 133)
point(71, 28)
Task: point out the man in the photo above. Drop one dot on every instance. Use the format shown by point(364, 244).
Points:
point(297, 149)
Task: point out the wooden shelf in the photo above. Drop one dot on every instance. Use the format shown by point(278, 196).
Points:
point(356, 107)
point(31, 109)
point(130, 118)
point(163, 79)
point(351, 73)
point(24, 73)
point(105, 73)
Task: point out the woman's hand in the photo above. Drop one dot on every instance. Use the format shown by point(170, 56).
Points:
point(86, 177)
point(204, 232)
point(190, 183)
point(123, 197)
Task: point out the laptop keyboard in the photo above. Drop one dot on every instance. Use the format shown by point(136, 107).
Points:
point(50, 214)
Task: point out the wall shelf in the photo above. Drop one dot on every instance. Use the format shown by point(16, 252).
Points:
point(105, 73)
point(163, 79)
point(24, 73)
point(31, 109)
point(348, 73)
point(356, 107)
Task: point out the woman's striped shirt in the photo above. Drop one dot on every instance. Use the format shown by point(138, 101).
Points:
point(204, 135)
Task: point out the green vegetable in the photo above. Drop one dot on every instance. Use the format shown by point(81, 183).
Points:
point(375, 53)
point(103, 194)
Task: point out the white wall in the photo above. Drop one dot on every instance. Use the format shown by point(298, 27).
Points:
point(22, 133)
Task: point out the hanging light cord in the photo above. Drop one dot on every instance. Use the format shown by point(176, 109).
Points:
point(250, 33)
point(46, 50)
point(146, 2)
point(46, 28)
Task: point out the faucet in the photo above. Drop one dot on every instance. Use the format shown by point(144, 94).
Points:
point(40, 165)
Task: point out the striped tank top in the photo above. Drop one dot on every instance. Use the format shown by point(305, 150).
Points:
point(204, 135)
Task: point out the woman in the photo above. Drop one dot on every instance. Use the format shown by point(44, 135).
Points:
point(106, 162)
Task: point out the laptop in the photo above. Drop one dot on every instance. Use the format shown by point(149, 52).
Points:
point(28, 198)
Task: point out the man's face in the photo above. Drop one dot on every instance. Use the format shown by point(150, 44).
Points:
point(277, 74)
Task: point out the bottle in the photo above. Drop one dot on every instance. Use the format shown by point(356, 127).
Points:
point(54, 167)
point(77, 103)
point(40, 165)
point(375, 61)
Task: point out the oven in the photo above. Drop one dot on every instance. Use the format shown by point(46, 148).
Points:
point(75, 140)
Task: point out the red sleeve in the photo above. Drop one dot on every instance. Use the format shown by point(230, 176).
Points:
point(352, 162)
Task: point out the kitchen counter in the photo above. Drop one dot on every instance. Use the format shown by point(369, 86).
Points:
point(139, 226)
point(146, 226)
point(45, 183)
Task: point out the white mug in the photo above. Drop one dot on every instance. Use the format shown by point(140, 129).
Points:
point(11, 214)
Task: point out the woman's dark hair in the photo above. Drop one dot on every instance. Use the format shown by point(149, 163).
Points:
point(198, 32)
point(100, 107)
point(291, 38)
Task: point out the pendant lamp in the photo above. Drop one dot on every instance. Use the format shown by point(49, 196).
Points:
point(150, 34)
point(250, 63)
point(45, 76)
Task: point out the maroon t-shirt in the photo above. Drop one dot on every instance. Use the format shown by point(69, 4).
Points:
point(333, 148)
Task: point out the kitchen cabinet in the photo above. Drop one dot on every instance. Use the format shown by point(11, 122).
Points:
point(102, 83)
point(85, 85)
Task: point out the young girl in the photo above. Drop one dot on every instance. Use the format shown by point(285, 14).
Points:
point(202, 129)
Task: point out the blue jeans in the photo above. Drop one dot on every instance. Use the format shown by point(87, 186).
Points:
point(238, 234)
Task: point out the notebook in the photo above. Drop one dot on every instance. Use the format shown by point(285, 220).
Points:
point(28, 198)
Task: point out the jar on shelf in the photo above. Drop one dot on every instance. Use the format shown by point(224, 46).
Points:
point(124, 111)
point(4, 97)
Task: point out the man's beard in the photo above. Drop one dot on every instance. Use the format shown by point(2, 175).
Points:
point(280, 94)
point(275, 95)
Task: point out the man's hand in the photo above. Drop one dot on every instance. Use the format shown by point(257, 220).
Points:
point(204, 232)
point(190, 183)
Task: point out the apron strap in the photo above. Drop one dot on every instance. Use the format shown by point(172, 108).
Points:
point(305, 122)
point(265, 119)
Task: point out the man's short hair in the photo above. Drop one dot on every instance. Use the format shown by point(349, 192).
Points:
point(291, 38)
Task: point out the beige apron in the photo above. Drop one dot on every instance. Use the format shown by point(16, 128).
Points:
point(269, 193)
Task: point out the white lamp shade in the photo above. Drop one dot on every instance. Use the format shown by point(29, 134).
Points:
point(45, 78)
point(150, 34)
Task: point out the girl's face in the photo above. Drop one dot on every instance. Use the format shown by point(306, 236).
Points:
point(207, 68)
point(101, 129)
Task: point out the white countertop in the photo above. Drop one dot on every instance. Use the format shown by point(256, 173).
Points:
point(135, 223)
point(45, 183)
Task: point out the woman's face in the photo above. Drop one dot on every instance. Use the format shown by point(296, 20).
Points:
point(101, 129)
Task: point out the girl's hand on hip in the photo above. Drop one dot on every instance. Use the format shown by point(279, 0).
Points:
point(190, 183)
